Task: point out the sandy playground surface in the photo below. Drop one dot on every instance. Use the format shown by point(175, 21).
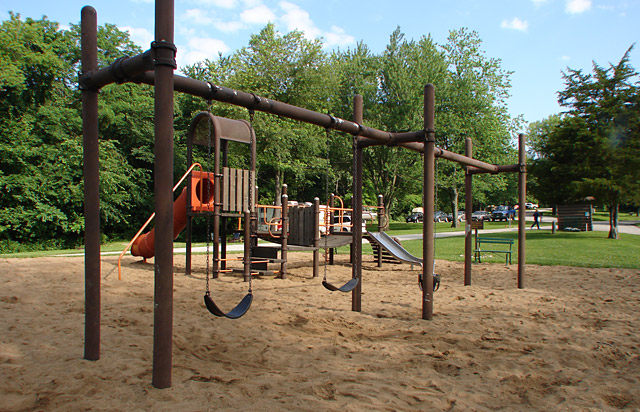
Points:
point(568, 342)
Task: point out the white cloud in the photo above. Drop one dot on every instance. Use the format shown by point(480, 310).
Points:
point(565, 58)
point(229, 26)
point(251, 3)
point(223, 4)
point(577, 6)
point(185, 31)
point(199, 49)
point(197, 16)
point(258, 15)
point(515, 24)
point(140, 36)
point(295, 18)
point(337, 37)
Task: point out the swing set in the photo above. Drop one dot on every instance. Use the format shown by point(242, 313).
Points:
point(156, 67)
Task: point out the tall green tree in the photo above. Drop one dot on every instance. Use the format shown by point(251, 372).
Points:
point(291, 69)
point(471, 102)
point(406, 66)
point(41, 137)
point(539, 177)
point(595, 149)
point(357, 72)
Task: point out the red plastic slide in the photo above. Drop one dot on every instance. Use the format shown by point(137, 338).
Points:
point(145, 244)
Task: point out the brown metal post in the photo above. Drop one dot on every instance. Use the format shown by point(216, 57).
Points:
point(285, 233)
point(89, 27)
point(468, 210)
point(356, 205)
point(164, 65)
point(429, 198)
point(316, 237)
point(188, 233)
point(522, 212)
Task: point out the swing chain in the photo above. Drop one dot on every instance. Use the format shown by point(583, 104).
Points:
point(251, 190)
point(209, 103)
point(327, 212)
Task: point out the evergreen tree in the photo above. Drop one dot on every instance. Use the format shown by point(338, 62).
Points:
point(595, 148)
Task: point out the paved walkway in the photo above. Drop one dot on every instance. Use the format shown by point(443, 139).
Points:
point(627, 226)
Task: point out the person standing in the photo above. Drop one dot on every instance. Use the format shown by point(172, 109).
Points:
point(536, 219)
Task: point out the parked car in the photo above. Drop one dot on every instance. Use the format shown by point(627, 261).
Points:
point(440, 216)
point(461, 216)
point(530, 205)
point(369, 214)
point(415, 217)
point(503, 213)
point(480, 215)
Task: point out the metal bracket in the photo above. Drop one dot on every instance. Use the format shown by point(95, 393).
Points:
point(429, 135)
point(164, 61)
point(83, 79)
point(117, 70)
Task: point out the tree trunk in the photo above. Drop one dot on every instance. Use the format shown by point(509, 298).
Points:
point(278, 199)
point(613, 221)
point(454, 208)
point(387, 207)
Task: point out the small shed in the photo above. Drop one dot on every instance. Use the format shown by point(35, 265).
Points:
point(575, 217)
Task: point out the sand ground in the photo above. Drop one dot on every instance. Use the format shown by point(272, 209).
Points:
point(568, 342)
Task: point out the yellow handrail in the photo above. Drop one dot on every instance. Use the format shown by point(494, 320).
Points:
point(193, 166)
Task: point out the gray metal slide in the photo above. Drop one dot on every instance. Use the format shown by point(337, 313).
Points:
point(394, 248)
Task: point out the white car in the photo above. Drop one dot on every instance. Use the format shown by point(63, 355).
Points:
point(530, 205)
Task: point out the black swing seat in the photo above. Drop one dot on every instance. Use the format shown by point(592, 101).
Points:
point(347, 287)
point(235, 313)
point(436, 281)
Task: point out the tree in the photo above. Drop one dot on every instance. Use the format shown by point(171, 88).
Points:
point(595, 148)
point(471, 102)
point(41, 137)
point(540, 178)
point(291, 69)
point(405, 67)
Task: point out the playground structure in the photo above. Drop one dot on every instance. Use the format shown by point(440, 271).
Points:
point(156, 67)
point(312, 226)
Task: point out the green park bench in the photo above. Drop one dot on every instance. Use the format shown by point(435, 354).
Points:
point(493, 245)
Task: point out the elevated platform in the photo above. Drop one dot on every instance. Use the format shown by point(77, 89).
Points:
point(334, 240)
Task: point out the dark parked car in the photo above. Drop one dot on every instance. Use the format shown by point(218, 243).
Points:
point(503, 213)
point(415, 217)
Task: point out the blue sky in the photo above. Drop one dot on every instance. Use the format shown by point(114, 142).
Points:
point(535, 39)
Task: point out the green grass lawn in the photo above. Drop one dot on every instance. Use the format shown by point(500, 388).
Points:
point(604, 216)
point(402, 228)
point(585, 249)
